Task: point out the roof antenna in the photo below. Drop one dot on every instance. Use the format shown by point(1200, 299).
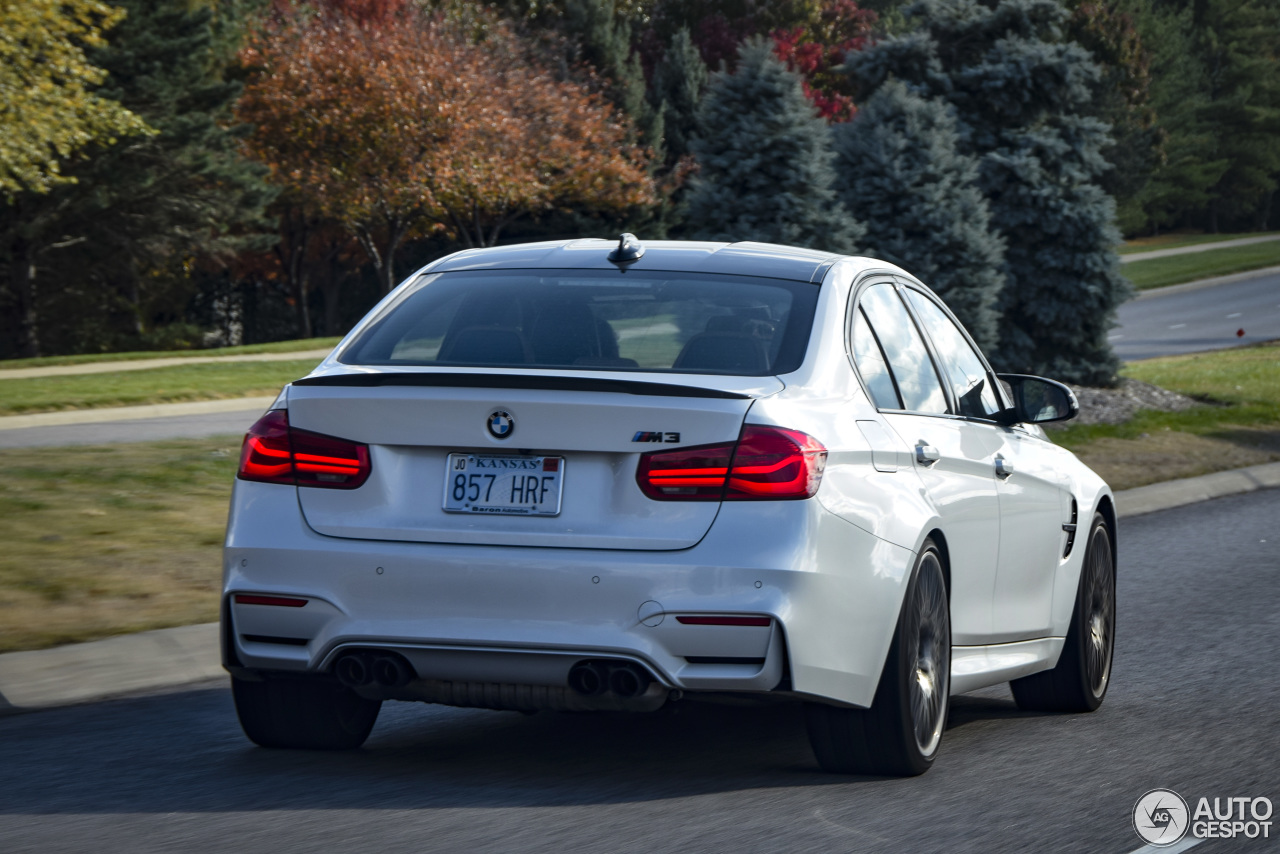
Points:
point(628, 251)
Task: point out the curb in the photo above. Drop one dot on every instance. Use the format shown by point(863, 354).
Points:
point(166, 658)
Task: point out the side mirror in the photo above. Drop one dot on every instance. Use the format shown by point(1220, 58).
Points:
point(1037, 400)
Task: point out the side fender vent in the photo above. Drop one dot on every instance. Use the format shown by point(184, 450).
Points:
point(1070, 528)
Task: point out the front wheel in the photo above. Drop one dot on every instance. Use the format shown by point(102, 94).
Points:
point(301, 713)
point(900, 734)
point(1079, 681)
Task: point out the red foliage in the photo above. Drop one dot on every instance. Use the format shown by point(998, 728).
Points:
point(816, 52)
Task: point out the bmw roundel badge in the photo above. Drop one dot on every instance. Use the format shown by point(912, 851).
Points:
point(501, 424)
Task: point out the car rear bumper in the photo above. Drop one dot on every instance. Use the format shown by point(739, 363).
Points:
point(515, 615)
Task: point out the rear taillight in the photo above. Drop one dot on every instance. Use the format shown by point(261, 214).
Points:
point(274, 452)
point(765, 464)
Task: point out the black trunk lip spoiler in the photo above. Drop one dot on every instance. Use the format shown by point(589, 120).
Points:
point(509, 381)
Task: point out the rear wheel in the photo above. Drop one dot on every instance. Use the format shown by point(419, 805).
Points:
point(299, 713)
point(900, 734)
point(1079, 681)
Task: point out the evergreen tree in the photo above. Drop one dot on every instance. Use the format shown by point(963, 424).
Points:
point(605, 37)
point(678, 83)
point(900, 173)
point(1181, 186)
point(1021, 96)
point(112, 256)
point(1239, 43)
point(766, 161)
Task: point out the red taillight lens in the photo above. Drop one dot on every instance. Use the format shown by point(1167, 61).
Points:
point(766, 464)
point(773, 463)
point(689, 474)
point(274, 452)
point(266, 454)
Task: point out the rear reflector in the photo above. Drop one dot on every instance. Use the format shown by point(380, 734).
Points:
point(274, 452)
point(765, 464)
point(725, 621)
point(281, 601)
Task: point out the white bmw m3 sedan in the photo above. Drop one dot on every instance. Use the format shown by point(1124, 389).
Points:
point(597, 475)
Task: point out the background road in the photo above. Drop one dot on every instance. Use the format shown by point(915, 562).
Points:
point(233, 424)
point(1195, 706)
point(1205, 319)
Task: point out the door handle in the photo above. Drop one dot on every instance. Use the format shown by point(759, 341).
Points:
point(926, 454)
point(1004, 468)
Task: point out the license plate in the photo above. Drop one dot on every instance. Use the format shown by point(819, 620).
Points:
point(503, 485)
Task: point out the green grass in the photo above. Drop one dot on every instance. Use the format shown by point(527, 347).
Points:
point(112, 539)
point(246, 350)
point(1159, 272)
point(154, 385)
point(1175, 241)
point(1237, 425)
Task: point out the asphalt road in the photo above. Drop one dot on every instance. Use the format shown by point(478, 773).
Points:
point(1195, 320)
point(1194, 706)
point(141, 430)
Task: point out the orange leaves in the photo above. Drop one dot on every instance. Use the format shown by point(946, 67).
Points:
point(372, 112)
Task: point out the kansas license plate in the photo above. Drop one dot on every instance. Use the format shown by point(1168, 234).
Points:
point(509, 485)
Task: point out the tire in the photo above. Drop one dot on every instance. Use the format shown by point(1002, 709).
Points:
point(1079, 681)
point(303, 714)
point(900, 734)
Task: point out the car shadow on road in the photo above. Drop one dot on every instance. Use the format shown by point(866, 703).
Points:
point(185, 752)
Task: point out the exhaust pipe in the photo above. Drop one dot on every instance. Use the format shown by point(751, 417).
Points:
point(588, 678)
point(627, 681)
point(392, 671)
point(353, 670)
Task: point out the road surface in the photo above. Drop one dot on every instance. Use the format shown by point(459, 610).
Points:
point(1190, 321)
point(1194, 707)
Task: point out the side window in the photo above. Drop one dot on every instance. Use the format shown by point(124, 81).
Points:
point(968, 377)
point(904, 350)
point(871, 364)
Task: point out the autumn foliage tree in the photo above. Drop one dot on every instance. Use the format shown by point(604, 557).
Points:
point(396, 124)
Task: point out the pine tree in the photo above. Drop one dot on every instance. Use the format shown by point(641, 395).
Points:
point(1239, 43)
point(678, 83)
point(766, 161)
point(606, 43)
point(901, 175)
point(111, 256)
point(1022, 102)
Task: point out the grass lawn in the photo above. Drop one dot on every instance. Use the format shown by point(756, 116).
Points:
point(155, 385)
point(1158, 272)
point(1239, 425)
point(246, 350)
point(1174, 241)
point(107, 540)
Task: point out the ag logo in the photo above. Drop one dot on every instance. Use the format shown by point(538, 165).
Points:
point(1160, 817)
point(501, 424)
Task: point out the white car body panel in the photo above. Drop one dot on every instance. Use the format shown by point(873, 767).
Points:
point(517, 600)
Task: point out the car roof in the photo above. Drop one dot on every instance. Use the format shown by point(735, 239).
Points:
point(686, 256)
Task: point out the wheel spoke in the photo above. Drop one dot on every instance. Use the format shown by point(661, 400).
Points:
point(930, 649)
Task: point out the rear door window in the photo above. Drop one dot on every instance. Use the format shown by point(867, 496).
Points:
point(673, 322)
point(904, 351)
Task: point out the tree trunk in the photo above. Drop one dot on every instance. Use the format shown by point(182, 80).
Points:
point(22, 275)
point(292, 252)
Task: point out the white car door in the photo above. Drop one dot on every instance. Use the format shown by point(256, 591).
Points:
point(953, 457)
point(1031, 497)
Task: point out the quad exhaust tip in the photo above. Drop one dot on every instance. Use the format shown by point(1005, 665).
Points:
point(622, 678)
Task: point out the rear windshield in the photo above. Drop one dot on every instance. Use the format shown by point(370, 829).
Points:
point(676, 322)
